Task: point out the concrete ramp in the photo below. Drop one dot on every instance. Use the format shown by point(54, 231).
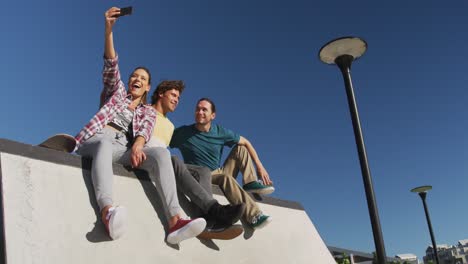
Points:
point(49, 215)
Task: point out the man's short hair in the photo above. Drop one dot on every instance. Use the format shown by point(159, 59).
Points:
point(165, 86)
point(213, 106)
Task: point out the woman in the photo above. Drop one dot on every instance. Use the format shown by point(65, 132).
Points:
point(118, 133)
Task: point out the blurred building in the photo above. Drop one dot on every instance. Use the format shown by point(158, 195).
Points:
point(355, 257)
point(456, 254)
point(407, 258)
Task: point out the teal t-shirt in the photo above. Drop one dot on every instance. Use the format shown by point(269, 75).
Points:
point(203, 148)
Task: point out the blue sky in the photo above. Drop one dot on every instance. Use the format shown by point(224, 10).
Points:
point(258, 61)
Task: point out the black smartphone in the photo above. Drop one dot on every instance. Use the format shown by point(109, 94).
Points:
point(125, 11)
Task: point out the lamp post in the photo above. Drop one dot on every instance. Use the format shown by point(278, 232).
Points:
point(342, 52)
point(422, 191)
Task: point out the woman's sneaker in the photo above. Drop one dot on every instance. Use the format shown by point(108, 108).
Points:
point(115, 221)
point(260, 221)
point(258, 187)
point(185, 229)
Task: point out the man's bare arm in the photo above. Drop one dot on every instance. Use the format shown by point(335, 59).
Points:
point(261, 171)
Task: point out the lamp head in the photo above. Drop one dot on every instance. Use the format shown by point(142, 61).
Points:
point(421, 189)
point(352, 46)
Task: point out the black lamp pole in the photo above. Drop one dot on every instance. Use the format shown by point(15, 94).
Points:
point(344, 63)
point(422, 191)
point(343, 52)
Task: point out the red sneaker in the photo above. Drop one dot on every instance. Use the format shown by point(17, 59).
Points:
point(185, 229)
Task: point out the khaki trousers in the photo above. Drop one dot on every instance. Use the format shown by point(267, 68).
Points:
point(225, 177)
point(239, 160)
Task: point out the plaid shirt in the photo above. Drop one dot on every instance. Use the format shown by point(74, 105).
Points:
point(117, 99)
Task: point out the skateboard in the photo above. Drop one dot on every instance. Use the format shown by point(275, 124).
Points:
point(227, 233)
point(60, 142)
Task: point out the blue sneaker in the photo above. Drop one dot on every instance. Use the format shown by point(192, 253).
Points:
point(260, 221)
point(258, 187)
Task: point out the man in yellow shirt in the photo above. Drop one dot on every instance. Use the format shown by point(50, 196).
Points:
point(165, 99)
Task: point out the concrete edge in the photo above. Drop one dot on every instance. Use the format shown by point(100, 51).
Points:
point(58, 157)
point(2, 219)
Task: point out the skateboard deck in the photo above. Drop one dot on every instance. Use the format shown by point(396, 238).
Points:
point(228, 233)
point(60, 142)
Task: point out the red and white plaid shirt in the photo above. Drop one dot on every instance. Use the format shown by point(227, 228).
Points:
point(116, 100)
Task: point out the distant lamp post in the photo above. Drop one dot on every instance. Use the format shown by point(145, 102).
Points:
point(342, 52)
point(422, 191)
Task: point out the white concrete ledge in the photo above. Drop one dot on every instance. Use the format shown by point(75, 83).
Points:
point(49, 215)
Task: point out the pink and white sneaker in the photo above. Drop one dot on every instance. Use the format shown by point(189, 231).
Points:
point(185, 229)
point(116, 219)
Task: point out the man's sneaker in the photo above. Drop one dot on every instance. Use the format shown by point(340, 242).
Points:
point(222, 232)
point(228, 214)
point(260, 221)
point(115, 221)
point(258, 187)
point(185, 229)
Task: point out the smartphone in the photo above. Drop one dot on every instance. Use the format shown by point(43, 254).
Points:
point(125, 11)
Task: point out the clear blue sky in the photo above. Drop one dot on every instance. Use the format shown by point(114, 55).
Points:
point(258, 61)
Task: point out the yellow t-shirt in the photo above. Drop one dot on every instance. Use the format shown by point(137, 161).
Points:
point(163, 129)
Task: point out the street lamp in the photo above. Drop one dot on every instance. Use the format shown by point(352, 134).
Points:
point(342, 52)
point(422, 191)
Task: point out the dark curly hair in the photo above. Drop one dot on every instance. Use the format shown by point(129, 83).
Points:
point(165, 86)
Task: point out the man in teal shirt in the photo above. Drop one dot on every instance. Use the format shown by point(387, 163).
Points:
point(202, 144)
